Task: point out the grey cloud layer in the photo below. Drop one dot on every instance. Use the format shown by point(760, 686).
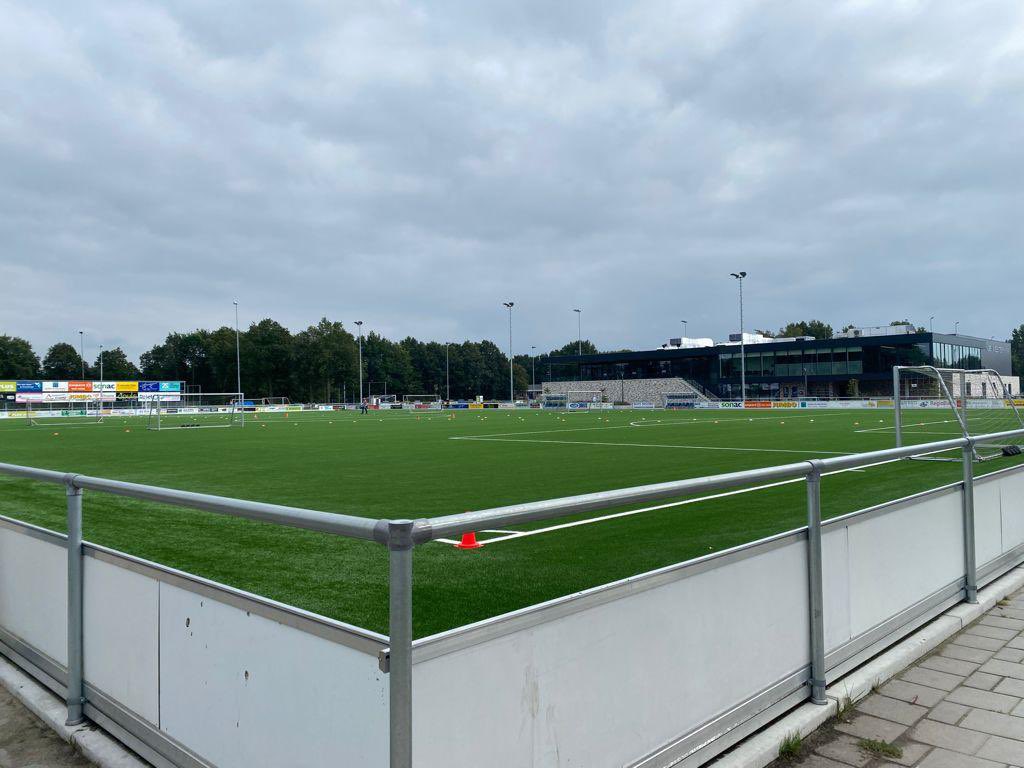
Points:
point(415, 164)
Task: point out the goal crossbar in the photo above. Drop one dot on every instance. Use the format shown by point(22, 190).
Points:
point(971, 402)
point(198, 410)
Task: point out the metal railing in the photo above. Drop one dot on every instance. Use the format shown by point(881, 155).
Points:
point(402, 536)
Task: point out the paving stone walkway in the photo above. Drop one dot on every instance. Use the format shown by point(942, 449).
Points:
point(27, 742)
point(961, 707)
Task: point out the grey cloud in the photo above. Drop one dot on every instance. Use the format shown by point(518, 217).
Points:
point(414, 164)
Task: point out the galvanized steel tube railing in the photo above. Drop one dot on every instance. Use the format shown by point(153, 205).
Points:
point(401, 536)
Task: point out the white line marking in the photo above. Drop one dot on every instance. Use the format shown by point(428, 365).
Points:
point(654, 445)
point(905, 426)
point(685, 502)
point(668, 423)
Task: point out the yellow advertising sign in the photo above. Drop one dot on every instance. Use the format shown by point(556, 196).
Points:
point(127, 386)
point(8, 386)
point(476, 406)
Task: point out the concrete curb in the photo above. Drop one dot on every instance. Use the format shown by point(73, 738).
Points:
point(89, 739)
point(762, 748)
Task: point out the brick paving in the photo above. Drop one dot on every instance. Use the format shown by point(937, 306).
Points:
point(961, 707)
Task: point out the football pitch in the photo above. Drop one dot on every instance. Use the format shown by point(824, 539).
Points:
point(403, 464)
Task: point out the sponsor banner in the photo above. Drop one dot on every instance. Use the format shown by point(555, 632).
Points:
point(126, 386)
point(28, 386)
point(643, 406)
point(126, 395)
point(757, 404)
point(104, 386)
point(681, 406)
point(170, 386)
point(730, 404)
point(784, 404)
point(55, 386)
point(149, 386)
point(169, 397)
point(8, 386)
point(475, 406)
point(578, 406)
point(459, 406)
point(56, 397)
point(79, 386)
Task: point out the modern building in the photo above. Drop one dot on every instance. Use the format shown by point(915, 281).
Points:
point(857, 363)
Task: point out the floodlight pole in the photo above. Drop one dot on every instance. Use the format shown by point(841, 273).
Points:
point(360, 324)
point(956, 328)
point(238, 354)
point(81, 351)
point(101, 378)
point(684, 329)
point(511, 387)
point(743, 348)
point(447, 381)
point(533, 365)
point(931, 324)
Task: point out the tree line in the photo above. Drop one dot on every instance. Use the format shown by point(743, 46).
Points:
point(318, 364)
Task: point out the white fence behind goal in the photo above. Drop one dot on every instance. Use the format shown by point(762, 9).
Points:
point(938, 403)
point(198, 410)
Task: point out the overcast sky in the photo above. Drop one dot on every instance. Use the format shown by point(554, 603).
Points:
point(413, 165)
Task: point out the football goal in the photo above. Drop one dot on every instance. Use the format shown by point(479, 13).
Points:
point(198, 410)
point(70, 414)
point(938, 403)
point(421, 401)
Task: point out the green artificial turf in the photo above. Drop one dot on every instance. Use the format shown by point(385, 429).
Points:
point(400, 465)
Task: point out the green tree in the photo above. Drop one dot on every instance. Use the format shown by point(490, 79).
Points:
point(116, 365)
point(267, 360)
point(182, 357)
point(1017, 351)
point(325, 363)
point(815, 328)
point(62, 361)
point(574, 347)
point(17, 359)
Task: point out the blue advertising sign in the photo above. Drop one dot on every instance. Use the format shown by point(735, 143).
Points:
point(170, 386)
point(30, 386)
point(149, 386)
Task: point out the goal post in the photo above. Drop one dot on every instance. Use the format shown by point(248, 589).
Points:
point(74, 413)
point(197, 410)
point(420, 402)
point(939, 403)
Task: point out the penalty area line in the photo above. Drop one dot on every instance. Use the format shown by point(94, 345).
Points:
point(653, 445)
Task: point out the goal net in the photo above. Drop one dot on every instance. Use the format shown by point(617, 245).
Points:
point(943, 403)
point(198, 410)
point(71, 413)
point(420, 402)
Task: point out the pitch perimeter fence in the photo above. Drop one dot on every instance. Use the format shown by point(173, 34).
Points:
point(669, 667)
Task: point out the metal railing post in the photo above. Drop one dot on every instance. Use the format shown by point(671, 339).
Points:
point(970, 554)
point(75, 697)
point(897, 412)
point(400, 548)
point(815, 590)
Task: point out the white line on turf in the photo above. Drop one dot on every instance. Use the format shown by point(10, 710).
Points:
point(663, 423)
point(890, 427)
point(684, 502)
point(653, 445)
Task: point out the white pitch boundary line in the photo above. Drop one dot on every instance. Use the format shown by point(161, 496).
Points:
point(660, 423)
point(905, 426)
point(629, 512)
point(654, 445)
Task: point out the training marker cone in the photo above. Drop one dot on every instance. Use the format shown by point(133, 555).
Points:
point(469, 541)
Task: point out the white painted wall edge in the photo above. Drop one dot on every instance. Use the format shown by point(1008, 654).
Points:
point(762, 748)
point(93, 742)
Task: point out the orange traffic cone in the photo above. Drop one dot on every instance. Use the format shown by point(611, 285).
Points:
point(469, 541)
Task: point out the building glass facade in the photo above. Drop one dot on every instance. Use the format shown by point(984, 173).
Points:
point(832, 367)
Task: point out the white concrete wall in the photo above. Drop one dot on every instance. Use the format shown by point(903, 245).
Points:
point(603, 686)
point(33, 592)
